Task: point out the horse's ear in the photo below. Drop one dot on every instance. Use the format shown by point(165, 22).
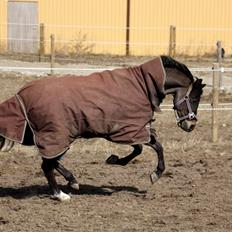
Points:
point(198, 83)
point(203, 85)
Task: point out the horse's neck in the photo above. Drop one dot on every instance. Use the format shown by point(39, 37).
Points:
point(175, 83)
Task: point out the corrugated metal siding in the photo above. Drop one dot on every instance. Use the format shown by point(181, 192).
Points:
point(3, 27)
point(99, 26)
point(199, 24)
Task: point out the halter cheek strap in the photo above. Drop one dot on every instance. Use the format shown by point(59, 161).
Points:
point(191, 115)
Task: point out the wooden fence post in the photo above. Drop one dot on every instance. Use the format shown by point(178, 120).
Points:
point(52, 53)
point(215, 101)
point(219, 59)
point(172, 41)
point(41, 42)
point(128, 28)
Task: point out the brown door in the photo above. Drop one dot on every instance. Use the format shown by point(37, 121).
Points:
point(23, 29)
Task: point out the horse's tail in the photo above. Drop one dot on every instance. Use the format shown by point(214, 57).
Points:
point(5, 144)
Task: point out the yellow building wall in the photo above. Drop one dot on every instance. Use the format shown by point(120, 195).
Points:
point(3, 21)
point(99, 26)
point(199, 24)
point(91, 25)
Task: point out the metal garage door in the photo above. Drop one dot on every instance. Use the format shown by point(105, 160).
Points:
point(23, 29)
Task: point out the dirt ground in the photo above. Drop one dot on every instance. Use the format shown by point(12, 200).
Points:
point(194, 193)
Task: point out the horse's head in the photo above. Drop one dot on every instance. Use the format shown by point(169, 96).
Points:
point(186, 104)
point(186, 91)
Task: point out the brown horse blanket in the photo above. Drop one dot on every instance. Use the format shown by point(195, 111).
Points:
point(117, 105)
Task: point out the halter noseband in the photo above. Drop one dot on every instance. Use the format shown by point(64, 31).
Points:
point(191, 115)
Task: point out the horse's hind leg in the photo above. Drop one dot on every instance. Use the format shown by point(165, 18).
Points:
point(113, 159)
point(72, 182)
point(5, 144)
point(48, 166)
point(2, 140)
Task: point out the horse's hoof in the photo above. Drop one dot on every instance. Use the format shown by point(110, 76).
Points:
point(8, 144)
point(113, 159)
point(61, 196)
point(154, 177)
point(74, 185)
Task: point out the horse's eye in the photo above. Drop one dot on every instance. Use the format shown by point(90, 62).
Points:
point(194, 100)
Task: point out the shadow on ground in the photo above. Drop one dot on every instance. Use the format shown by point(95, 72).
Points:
point(44, 191)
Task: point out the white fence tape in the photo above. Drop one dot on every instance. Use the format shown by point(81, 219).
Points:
point(111, 42)
point(202, 107)
point(91, 27)
point(15, 68)
point(227, 106)
point(54, 69)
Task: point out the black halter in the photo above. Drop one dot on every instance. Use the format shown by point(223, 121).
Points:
point(191, 115)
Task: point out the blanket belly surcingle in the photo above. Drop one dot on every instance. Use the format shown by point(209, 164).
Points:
point(117, 105)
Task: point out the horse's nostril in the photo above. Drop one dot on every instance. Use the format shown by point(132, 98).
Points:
point(192, 127)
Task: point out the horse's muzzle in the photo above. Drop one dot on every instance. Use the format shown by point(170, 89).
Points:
point(187, 125)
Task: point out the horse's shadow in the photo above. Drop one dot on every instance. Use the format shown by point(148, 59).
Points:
point(42, 191)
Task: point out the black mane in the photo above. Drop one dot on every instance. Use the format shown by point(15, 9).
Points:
point(168, 62)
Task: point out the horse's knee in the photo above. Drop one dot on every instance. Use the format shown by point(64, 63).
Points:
point(138, 148)
point(48, 165)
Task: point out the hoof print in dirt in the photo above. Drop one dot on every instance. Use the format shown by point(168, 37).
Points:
point(113, 159)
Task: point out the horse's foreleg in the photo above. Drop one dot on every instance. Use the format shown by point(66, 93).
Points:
point(72, 182)
point(159, 150)
point(113, 159)
point(48, 166)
